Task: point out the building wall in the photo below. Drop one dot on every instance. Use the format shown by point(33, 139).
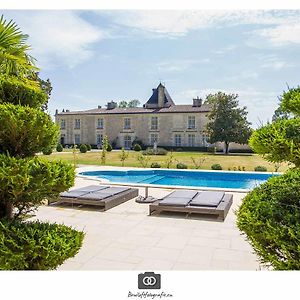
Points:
point(169, 125)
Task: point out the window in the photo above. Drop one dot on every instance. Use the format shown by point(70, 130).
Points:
point(100, 123)
point(127, 142)
point(153, 138)
point(177, 140)
point(191, 122)
point(77, 124)
point(191, 140)
point(99, 139)
point(63, 124)
point(77, 139)
point(154, 123)
point(127, 123)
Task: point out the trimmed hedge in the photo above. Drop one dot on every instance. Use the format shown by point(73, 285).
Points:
point(216, 167)
point(59, 148)
point(25, 183)
point(25, 130)
point(137, 147)
point(83, 148)
point(36, 246)
point(88, 147)
point(260, 169)
point(181, 166)
point(159, 151)
point(270, 218)
point(155, 165)
point(109, 147)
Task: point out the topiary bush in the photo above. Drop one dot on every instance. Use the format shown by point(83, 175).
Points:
point(155, 165)
point(83, 148)
point(270, 218)
point(59, 148)
point(260, 169)
point(47, 151)
point(25, 183)
point(36, 246)
point(25, 130)
point(109, 147)
point(181, 166)
point(159, 151)
point(137, 147)
point(88, 147)
point(216, 167)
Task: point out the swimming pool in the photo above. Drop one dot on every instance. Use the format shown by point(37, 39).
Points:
point(209, 179)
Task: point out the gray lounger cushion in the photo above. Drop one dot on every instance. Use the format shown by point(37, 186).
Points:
point(208, 198)
point(175, 201)
point(103, 194)
point(82, 191)
point(182, 194)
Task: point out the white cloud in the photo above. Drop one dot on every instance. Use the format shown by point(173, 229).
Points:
point(180, 64)
point(283, 34)
point(282, 26)
point(58, 37)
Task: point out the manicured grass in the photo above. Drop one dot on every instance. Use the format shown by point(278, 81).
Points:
point(248, 161)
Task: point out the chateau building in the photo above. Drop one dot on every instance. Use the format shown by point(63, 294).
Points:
point(160, 120)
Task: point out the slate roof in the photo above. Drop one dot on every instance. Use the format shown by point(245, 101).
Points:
point(141, 110)
point(154, 98)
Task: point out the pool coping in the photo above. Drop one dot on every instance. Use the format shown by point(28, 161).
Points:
point(111, 168)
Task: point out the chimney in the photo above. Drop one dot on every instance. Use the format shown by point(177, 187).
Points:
point(99, 106)
point(197, 102)
point(161, 96)
point(111, 105)
point(67, 110)
point(56, 112)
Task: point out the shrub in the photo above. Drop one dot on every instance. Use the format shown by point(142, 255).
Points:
point(169, 160)
point(159, 151)
point(88, 147)
point(143, 160)
point(278, 141)
point(270, 218)
point(21, 92)
point(212, 149)
point(47, 151)
point(260, 169)
point(25, 130)
point(109, 147)
point(155, 165)
point(25, 183)
point(216, 167)
point(83, 148)
point(123, 156)
point(181, 166)
point(36, 246)
point(59, 148)
point(137, 147)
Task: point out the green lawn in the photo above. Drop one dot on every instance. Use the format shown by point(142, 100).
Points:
point(248, 161)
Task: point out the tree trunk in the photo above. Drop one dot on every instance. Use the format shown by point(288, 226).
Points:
point(226, 147)
point(9, 211)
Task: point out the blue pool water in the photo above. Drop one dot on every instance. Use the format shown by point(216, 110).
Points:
point(229, 180)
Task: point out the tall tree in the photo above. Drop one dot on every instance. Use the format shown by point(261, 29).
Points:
point(279, 141)
point(134, 103)
point(123, 104)
point(227, 121)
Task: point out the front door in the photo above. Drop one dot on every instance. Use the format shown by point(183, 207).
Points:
point(127, 142)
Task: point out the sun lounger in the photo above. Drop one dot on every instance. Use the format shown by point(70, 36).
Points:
point(103, 196)
point(201, 202)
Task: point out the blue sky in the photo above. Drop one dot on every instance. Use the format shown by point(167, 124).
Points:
point(92, 57)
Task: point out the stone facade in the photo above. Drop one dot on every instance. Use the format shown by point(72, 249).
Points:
point(159, 120)
point(168, 129)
